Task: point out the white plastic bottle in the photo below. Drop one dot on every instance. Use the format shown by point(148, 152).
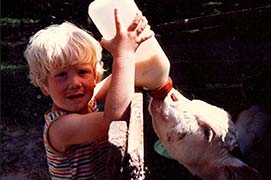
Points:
point(152, 65)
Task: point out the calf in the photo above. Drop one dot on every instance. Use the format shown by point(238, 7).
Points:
point(201, 136)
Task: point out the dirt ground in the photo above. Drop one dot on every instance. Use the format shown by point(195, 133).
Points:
point(21, 146)
point(23, 154)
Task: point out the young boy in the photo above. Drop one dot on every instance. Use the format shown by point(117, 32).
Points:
point(65, 63)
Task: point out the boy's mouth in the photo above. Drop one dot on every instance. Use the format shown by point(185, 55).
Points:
point(75, 96)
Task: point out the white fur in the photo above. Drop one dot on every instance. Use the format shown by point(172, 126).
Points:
point(198, 135)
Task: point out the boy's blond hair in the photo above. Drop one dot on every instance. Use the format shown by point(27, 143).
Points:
point(58, 46)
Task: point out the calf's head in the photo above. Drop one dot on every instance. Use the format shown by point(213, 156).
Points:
point(197, 134)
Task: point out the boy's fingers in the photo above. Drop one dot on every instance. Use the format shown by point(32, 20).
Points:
point(137, 20)
point(140, 28)
point(147, 35)
point(103, 42)
point(118, 21)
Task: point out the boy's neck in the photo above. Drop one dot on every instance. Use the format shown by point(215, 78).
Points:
point(56, 108)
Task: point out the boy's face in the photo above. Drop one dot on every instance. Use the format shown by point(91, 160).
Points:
point(72, 88)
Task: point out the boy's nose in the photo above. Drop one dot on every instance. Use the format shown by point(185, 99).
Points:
point(75, 82)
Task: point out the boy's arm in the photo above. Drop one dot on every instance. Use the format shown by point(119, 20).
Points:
point(122, 48)
point(101, 89)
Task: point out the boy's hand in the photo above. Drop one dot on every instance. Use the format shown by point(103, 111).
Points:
point(127, 39)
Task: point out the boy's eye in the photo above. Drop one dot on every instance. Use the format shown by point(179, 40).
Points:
point(61, 74)
point(84, 71)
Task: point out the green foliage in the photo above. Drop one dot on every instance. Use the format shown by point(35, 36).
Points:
point(11, 67)
point(16, 21)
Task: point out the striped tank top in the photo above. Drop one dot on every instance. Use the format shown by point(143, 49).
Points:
point(80, 162)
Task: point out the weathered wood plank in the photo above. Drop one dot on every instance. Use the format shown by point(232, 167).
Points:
point(117, 136)
point(126, 155)
point(135, 148)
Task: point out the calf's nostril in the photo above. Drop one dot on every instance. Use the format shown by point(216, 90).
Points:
point(173, 97)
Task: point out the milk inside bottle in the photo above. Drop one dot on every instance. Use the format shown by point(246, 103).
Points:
point(152, 65)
